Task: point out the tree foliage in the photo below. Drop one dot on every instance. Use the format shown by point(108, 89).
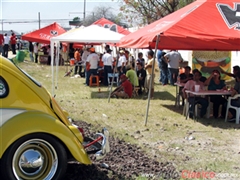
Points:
point(76, 19)
point(143, 12)
point(100, 12)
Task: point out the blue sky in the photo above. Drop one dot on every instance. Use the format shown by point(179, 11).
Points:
point(23, 10)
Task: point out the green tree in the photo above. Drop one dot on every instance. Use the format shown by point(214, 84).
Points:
point(100, 12)
point(75, 22)
point(76, 19)
point(143, 12)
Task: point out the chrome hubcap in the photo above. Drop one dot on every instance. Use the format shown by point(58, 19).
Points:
point(35, 159)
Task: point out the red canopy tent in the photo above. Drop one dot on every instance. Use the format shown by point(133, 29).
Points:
point(202, 25)
point(112, 26)
point(43, 35)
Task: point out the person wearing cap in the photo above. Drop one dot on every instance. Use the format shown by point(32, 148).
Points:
point(148, 68)
point(236, 69)
point(107, 62)
point(131, 75)
point(124, 90)
point(91, 64)
point(121, 62)
point(78, 66)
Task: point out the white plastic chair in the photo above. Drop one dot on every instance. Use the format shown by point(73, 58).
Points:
point(186, 108)
point(233, 107)
point(110, 75)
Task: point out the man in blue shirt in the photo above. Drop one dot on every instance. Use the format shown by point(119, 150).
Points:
point(163, 67)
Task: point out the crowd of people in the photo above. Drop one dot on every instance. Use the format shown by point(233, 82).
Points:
point(169, 63)
point(88, 62)
point(8, 42)
point(213, 82)
point(138, 73)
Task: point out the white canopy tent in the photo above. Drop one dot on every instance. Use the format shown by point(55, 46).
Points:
point(87, 35)
point(90, 34)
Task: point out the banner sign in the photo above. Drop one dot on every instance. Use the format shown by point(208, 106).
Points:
point(207, 61)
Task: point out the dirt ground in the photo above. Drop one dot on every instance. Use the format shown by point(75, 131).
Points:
point(125, 162)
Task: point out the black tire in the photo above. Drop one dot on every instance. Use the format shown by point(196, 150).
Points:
point(35, 156)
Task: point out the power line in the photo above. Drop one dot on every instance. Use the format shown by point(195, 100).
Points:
point(12, 21)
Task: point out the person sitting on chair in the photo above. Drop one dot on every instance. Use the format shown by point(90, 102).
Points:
point(190, 85)
point(215, 82)
point(202, 78)
point(234, 102)
point(131, 75)
point(124, 90)
point(184, 77)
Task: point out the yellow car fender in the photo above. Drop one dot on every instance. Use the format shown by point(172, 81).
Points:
point(30, 122)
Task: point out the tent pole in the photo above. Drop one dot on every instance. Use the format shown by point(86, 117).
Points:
point(151, 79)
point(57, 63)
point(135, 67)
point(115, 68)
point(52, 49)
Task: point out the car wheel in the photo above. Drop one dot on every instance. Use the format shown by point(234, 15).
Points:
point(35, 156)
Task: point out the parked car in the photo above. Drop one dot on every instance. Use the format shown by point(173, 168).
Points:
point(37, 137)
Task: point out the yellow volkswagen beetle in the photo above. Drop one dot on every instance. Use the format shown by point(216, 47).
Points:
point(37, 138)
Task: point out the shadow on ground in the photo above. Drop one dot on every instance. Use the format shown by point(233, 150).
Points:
point(76, 171)
point(160, 95)
point(220, 123)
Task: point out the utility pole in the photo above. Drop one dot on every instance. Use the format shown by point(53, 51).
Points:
point(39, 25)
point(84, 11)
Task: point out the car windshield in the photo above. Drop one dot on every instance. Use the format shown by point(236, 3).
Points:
point(30, 77)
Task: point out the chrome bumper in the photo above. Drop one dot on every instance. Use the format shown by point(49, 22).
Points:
point(100, 149)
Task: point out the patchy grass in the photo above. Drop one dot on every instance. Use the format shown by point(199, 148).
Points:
point(215, 144)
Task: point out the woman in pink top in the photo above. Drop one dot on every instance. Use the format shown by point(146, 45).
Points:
point(190, 85)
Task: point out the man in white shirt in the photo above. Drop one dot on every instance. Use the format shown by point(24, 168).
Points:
point(173, 58)
point(107, 60)
point(6, 45)
point(91, 64)
point(121, 63)
point(190, 85)
point(85, 54)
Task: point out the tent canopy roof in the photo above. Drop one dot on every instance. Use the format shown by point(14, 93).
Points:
point(112, 26)
point(90, 34)
point(44, 34)
point(201, 25)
